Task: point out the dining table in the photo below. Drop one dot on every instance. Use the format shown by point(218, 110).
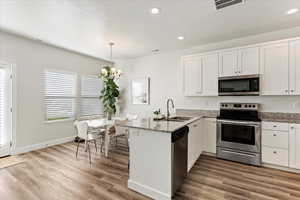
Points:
point(102, 123)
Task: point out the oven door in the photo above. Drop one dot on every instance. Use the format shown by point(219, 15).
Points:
point(239, 135)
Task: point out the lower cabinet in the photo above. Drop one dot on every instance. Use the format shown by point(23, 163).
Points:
point(210, 135)
point(294, 146)
point(275, 143)
point(275, 156)
point(281, 144)
point(195, 138)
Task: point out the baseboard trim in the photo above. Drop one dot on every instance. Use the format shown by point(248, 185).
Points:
point(287, 169)
point(148, 191)
point(42, 145)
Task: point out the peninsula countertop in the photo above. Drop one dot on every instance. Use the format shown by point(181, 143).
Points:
point(156, 125)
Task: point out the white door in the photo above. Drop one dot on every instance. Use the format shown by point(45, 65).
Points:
point(228, 65)
point(294, 146)
point(192, 76)
point(5, 109)
point(294, 76)
point(248, 61)
point(210, 65)
point(274, 61)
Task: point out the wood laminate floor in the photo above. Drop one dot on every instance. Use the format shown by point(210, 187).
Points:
point(54, 173)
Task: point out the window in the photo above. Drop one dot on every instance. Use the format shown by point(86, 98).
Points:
point(90, 103)
point(60, 94)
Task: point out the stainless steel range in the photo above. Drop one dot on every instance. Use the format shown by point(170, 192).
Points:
point(239, 133)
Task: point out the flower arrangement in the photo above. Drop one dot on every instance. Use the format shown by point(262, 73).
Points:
point(110, 91)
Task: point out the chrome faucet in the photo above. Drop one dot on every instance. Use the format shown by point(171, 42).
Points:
point(168, 109)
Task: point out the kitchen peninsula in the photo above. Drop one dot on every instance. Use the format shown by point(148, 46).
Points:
point(161, 153)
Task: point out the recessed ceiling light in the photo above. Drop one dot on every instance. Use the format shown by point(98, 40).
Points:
point(155, 11)
point(292, 11)
point(180, 38)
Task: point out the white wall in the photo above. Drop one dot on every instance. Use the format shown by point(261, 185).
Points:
point(165, 75)
point(31, 59)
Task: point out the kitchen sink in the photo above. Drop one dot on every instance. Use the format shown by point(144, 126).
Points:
point(177, 119)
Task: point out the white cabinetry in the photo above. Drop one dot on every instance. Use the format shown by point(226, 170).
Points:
point(209, 77)
point(294, 67)
point(248, 61)
point(244, 61)
point(192, 73)
point(275, 143)
point(294, 149)
point(228, 63)
point(200, 75)
point(195, 138)
point(275, 70)
point(210, 135)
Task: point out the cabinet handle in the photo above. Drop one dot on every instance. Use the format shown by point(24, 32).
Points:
point(292, 127)
point(275, 152)
point(195, 125)
point(286, 91)
point(274, 126)
point(274, 135)
point(292, 90)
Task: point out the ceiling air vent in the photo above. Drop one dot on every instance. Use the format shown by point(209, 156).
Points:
point(225, 3)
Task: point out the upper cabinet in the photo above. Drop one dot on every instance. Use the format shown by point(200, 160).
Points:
point(281, 68)
point(248, 61)
point(201, 75)
point(192, 73)
point(228, 61)
point(294, 70)
point(239, 62)
point(274, 69)
point(278, 64)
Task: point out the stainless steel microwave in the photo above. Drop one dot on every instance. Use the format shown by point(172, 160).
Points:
point(247, 85)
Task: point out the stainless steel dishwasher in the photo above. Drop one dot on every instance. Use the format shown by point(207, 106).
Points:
point(179, 157)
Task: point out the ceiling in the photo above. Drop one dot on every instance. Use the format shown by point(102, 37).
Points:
point(89, 25)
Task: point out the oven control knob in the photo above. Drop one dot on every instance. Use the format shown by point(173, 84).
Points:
point(246, 106)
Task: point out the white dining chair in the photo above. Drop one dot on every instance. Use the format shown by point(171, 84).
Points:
point(83, 132)
point(123, 131)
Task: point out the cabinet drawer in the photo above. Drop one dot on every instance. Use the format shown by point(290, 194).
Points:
point(276, 126)
point(275, 156)
point(279, 139)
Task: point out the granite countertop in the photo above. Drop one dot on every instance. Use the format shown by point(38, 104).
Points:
point(281, 117)
point(153, 125)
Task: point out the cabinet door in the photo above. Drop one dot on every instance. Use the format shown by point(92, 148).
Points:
point(248, 61)
point(210, 142)
point(228, 64)
point(194, 143)
point(210, 65)
point(192, 76)
point(294, 76)
point(294, 146)
point(275, 71)
point(191, 146)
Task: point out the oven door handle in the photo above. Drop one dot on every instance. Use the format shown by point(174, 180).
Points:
point(246, 123)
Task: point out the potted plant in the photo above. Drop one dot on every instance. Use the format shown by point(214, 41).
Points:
point(110, 91)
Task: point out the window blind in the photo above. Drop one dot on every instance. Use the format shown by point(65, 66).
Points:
point(60, 94)
point(90, 103)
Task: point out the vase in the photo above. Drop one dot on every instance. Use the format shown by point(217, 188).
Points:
point(109, 115)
